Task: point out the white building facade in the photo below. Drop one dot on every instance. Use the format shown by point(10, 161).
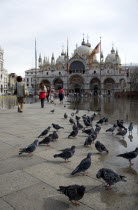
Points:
point(76, 74)
point(3, 75)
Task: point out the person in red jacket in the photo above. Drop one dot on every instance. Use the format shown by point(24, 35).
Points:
point(61, 94)
point(42, 93)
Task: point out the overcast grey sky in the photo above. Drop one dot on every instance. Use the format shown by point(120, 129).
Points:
point(52, 21)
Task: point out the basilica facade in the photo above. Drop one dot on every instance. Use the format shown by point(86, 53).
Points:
point(77, 74)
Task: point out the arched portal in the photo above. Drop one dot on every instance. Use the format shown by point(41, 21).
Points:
point(58, 83)
point(122, 84)
point(76, 84)
point(109, 86)
point(77, 67)
point(47, 83)
point(95, 86)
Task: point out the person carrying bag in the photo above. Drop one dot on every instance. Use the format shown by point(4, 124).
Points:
point(42, 93)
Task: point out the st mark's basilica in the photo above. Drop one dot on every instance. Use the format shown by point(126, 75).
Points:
point(77, 74)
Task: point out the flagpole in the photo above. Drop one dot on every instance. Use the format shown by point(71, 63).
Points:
point(67, 64)
point(100, 69)
point(35, 67)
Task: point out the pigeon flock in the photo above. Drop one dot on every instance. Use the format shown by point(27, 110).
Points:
point(86, 127)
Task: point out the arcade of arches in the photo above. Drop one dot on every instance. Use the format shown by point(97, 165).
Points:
point(77, 67)
point(76, 84)
point(58, 83)
point(95, 86)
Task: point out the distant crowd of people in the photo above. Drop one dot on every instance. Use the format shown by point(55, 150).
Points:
point(21, 91)
point(49, 94)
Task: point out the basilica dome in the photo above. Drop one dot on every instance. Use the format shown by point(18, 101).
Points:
point(113, 57)
point(61, 58)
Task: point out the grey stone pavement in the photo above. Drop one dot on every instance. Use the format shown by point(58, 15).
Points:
point(31, 183)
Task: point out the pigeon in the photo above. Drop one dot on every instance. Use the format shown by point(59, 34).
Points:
point(97, 129)
point(111, 129)
point(73, 133)
point(120, 124)
point(56, 126)
point(55, 135)
point(29, 149)
point(73, 192)
point(88, 141)
point(100, 147)
point(101, 121)
point(67, 149)
point(45, 132)
point(74, 127)
point(130, 127)
point(79, 125)
point(88, 131)
point(83, 166)
point(122, 132)
point(66, 154)
point(129, 155)
point(105, 119)
point(77, 111)
point(87, 123)
point(72, 114)
point(77, 118)
point(46, 140)
point(53, 110)
point(71, 121)
point(94, 135)
point(65, 116)
point(110, 177)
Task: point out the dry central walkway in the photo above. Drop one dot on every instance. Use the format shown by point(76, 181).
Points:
point(30, 183)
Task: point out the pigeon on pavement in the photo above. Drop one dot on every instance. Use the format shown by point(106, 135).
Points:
point(46, 140)
point(122, 132)
point(100, 147)
point(79, 125)
point(88, 131)
point(71, 121)
point(73, 192)
point(98, 128)
point(29, 149)
point(67, 149)
point(110, 177)
point(66, 154)
point(129, 155)
point(53, 110)
point(120, 124)
point(55, 135)
point(56, 126)
point(88, 141)
point(65, 116)
point(73, 133)
point(77, 118)
point(83, 166)
point(111, 129)
point(130, 127)
point(45, 132)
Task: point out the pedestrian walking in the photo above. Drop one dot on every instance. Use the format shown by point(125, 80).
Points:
point(42, 93)
point(21, 91)
point(48, 94)
point(52, 95)
point(61, 94)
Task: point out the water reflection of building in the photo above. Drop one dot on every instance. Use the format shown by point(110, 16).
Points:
point(80, 76)
point(3, 75)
